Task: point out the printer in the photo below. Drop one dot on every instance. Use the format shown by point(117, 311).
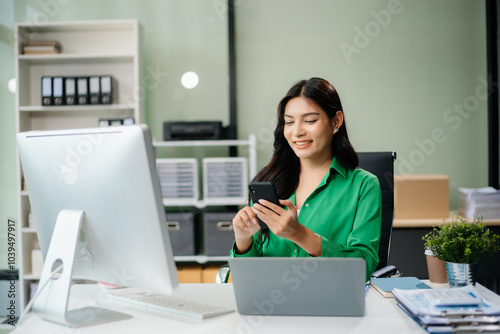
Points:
point(199, 130)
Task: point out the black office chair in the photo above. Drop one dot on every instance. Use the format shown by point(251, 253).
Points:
point(381, 164)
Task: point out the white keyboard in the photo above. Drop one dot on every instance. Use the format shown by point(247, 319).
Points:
point(166, 303)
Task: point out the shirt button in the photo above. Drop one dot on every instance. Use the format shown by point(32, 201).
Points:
point(307, 205)
point(295, 251)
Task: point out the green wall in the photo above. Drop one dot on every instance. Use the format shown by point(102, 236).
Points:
point(410, 73)
point(402, 81)
point(8, 202)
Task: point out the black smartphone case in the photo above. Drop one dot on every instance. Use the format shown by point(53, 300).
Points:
point(263, 190)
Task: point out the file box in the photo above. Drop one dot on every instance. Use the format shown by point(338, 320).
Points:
point(182, 231)
point(218, 235)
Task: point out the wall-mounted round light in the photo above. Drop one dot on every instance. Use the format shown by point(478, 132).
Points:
point(189, 80)
point(11, 85)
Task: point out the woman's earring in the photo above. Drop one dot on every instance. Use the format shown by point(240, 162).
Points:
point(335, 130)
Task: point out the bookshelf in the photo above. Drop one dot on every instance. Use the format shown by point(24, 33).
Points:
point(202, 203)
point(89, 48)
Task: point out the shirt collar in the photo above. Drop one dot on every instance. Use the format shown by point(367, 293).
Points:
point(336, 166)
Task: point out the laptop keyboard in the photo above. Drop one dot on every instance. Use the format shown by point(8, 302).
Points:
point(166, 303)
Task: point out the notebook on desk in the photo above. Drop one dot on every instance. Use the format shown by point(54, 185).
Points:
point(299, 286)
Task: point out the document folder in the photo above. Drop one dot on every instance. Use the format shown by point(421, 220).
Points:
point(70, 93)
point(95, 90)
point(418, 304)
point(106, 89)
point(46, 91)
point(83, 90)
point(58, 90)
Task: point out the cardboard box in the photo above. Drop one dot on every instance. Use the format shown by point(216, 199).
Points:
point(421, 196)
point(189, 274)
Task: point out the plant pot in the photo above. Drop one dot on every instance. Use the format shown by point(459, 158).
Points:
point(436, 269)
point(461, 274)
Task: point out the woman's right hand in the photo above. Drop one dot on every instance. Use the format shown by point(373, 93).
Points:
point(245, 225)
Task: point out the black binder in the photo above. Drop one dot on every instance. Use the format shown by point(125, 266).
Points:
point(47, 91)
point(58, 91)
point(94, 90)
point(70, 91)
point(82, 84)
point(106, 89)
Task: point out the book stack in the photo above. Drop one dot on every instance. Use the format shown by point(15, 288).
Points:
point(41, 47)
point(479, 201)
point(451, 310)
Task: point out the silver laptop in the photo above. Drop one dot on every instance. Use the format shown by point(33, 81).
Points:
point(299, 286)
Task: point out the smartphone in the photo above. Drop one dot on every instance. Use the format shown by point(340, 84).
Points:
point(263, 190)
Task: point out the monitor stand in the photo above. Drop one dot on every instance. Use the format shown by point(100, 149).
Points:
point(52, 301)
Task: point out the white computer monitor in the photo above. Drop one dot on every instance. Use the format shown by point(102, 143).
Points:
point(96, 202)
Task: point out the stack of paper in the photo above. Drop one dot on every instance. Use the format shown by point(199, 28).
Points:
point(453, 310)
point(479, 201)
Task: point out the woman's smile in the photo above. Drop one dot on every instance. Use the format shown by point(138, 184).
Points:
point(303, 144)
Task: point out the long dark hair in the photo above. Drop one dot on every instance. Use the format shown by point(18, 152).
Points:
point(284, 168)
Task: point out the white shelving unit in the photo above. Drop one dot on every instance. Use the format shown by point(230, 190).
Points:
point(107, 47)
point(250, 143)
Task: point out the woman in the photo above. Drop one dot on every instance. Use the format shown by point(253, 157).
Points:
point(331, 208)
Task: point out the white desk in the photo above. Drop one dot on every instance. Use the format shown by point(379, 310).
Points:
point(382, 315)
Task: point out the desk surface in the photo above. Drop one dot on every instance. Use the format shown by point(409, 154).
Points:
point(430, 222)
point(382, 315)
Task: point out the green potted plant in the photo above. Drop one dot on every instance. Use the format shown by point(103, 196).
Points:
point(462, 245)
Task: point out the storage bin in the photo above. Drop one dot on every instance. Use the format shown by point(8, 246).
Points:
point(182, 230)
point(225, 181)
point(218, 235)
point(178, 180)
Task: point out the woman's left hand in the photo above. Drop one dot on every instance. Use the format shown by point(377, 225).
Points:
point(283, 223)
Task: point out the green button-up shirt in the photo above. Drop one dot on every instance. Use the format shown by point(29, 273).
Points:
point(345, 210)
